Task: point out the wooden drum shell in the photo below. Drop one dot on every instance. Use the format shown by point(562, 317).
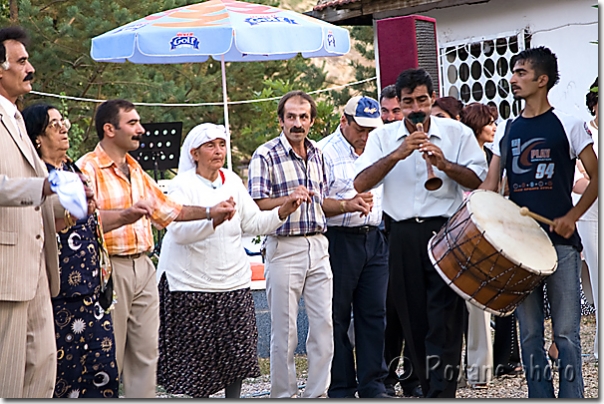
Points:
point(476, 269)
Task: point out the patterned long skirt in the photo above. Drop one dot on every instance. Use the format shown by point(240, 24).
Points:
point(86, 364)
point(206, 340)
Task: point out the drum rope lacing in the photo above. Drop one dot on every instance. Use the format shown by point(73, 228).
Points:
point(465, 262)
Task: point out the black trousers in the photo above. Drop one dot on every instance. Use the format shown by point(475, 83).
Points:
point(360, 278)
point(506, 354)
point(430, 312)
point(393, 348)
point(394, 338)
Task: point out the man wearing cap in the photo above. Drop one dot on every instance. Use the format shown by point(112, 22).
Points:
point(358, 255)
point(120, 183)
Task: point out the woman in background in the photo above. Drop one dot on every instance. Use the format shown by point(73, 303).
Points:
point(505, 353)
point(447, 107)
point(481, 119)
point(587, 225)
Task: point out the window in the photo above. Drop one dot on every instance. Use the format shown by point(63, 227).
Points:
point(478, 70)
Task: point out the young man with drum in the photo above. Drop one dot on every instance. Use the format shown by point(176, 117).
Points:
point(538, 151)
point(396, 154)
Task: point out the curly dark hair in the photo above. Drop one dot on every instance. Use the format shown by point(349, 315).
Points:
point(591, 99)
point(411, 78)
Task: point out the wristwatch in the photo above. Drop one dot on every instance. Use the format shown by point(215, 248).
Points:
point(208, 216)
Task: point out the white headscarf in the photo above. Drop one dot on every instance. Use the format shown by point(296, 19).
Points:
point(206, 132)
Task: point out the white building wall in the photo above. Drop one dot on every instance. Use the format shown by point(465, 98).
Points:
point(565, 26)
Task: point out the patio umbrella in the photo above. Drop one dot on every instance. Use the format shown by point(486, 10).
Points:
point(226, 30)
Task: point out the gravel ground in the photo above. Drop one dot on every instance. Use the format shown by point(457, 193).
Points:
point(514, 387)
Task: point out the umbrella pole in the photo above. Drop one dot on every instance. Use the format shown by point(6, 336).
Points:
point(226, 113)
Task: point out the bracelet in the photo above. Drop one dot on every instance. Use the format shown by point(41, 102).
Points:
point(208, 215)
point(342, 203)
point(69, 221)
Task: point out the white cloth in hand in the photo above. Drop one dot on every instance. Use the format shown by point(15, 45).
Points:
point(70, 189)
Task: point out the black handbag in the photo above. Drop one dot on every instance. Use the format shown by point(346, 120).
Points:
point(106, 296)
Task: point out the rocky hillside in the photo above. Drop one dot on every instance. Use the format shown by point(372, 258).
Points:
point(338, 68)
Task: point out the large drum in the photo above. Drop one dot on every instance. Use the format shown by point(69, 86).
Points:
point(490, 254)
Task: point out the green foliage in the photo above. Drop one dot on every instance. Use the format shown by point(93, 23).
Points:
point(362, 37)
point(264, 123)
point(4, 9)
point(61, 33)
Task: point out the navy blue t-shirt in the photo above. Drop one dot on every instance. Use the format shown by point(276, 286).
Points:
point(540, 165)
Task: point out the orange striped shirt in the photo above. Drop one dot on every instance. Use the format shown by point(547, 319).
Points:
point(113, 191)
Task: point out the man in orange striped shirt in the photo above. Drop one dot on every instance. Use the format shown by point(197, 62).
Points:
point(119, 183)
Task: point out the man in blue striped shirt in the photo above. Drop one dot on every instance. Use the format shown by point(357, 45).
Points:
point(358, 255)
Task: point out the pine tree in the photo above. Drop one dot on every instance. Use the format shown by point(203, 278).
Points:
point(61, 33)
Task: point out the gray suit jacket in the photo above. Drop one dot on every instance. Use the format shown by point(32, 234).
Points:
point(26, 221)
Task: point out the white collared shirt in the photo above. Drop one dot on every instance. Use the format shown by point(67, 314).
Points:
point(11, 110)
point(339, 157)
point(404, 194)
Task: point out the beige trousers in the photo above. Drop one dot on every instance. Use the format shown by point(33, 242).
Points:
point(136, 324)
point(295, 267)
point(28, 351)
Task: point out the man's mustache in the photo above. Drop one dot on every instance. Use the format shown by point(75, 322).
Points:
point(417, 117)
point(297, 130)
point(29, 77)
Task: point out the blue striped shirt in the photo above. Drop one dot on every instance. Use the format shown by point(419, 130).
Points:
point(339, 156)
point(276, 170)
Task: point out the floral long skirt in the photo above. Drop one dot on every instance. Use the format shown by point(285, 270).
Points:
point(207, 340)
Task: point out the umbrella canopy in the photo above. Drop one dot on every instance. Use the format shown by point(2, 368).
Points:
point(239, 31)
point(226, 30)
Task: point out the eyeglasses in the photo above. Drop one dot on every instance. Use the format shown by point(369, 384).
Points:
point(58, 124)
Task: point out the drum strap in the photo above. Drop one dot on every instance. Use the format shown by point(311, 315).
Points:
point(504, 148)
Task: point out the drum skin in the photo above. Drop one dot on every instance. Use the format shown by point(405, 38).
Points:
point(476, 269)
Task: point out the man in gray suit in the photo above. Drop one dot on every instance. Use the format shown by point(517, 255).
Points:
point(29, 272)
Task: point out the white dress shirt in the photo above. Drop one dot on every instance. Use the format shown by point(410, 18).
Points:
point(339, 157)
point(11, 110)
point(404, 194)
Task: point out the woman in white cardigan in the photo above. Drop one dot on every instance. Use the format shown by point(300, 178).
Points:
point(208, 335)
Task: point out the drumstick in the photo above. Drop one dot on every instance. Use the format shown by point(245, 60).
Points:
point(524, 211)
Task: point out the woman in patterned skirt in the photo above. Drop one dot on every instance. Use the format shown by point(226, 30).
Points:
point(86, 365)
point(208, 337)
